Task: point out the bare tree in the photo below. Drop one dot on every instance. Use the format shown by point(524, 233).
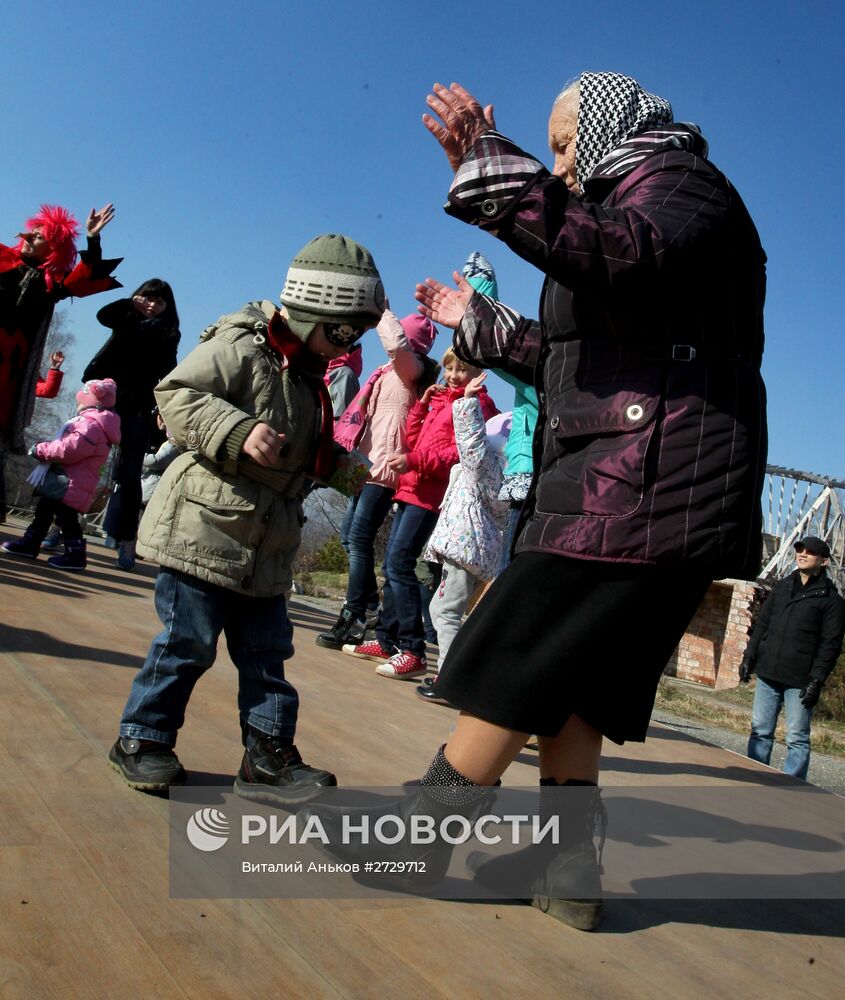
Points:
point(49, 415)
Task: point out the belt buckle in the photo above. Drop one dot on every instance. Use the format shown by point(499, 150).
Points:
point(687, 352)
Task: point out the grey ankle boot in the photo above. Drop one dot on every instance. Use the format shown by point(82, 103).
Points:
point(560, 878)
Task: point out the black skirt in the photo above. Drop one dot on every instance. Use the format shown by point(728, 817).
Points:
point(555, 637)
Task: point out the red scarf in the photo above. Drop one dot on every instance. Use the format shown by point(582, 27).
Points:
point(293, 354)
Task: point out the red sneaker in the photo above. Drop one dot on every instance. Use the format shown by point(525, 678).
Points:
point(403, 665)
point(372, 650)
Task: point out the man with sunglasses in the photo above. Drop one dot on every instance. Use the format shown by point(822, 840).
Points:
point(793, 649)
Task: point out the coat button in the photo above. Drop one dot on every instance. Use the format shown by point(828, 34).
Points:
point(489, 207)
point(554, 423)
point(634, 412)
point(192, 439)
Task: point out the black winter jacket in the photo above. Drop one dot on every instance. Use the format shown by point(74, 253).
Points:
point(798, 635)
point(138, 354)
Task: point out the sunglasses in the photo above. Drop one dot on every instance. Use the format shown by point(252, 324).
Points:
point(803, 548)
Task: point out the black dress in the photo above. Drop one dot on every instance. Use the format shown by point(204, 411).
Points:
point(555, 637)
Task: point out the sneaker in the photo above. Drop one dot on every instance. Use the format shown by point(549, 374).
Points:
point(22, 547)
point(53, 539)
point(403, 666)
point(72, 558)
point(146, 765)
point(273, 771)
point(347, 629)
point(372, 650)
point(126, 555)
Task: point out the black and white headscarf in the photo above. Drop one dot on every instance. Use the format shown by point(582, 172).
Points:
point(612, 109)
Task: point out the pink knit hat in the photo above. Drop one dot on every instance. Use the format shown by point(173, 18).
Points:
point(420, 332)
point(98, 392)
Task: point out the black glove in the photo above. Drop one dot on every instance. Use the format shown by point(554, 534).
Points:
point(745, 671)
point(811, 693)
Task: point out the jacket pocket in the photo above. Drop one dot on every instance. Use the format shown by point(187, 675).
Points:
point(214, 519)
point(596, 452)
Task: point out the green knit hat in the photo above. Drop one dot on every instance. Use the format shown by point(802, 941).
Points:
point(332, 279)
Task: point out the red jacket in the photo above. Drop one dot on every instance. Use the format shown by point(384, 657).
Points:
point(431, 448)
point(48, 388)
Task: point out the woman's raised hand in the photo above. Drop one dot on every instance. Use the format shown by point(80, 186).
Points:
point(442, 304)
point(97, 221)
point(462, 120)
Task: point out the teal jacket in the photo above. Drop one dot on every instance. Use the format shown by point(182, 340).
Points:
point(518, 450)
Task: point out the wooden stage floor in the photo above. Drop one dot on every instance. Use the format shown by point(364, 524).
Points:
point(84, 904)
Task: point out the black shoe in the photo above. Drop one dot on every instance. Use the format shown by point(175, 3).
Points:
point(428, 692)
point(146, 765)
point(346, 630)
point(274, 772)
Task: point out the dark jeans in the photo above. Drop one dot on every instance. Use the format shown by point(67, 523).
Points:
point(124, 510)
point(194, 613)
point(369, 514)
point(400, 622)
point(66, 518)
point(508, 536)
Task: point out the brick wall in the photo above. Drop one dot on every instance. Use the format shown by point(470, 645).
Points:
point(711, 650)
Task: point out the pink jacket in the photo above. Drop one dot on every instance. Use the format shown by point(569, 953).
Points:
point(82, 451)
point(431, 448)
point(393, 396)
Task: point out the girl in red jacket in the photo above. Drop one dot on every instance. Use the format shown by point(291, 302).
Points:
point(424, 475)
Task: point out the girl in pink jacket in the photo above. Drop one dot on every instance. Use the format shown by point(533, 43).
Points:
point(423, 468)
point(66, 481)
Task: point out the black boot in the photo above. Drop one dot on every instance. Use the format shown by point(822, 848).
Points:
point(443, 792)
point(146, 765)
point(274, 772)
point(563, 878)
point(28, 546)
point(73, 558)
point(347, 629)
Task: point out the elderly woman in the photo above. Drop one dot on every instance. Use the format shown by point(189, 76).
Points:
point(649, 450)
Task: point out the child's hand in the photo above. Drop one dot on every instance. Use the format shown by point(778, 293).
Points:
point(263, 445)
point(57, 359)
point(398, 463)
point(473, 387)
point(431, 391)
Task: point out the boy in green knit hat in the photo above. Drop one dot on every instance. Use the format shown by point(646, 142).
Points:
point(251, 410)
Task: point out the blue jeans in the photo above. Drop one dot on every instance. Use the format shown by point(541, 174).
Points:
point(400, 621)
point(346, 523)
point(768, 699)
point(370, 511)
point(194, 613)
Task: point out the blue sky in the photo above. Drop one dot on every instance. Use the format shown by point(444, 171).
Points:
point(228, 135)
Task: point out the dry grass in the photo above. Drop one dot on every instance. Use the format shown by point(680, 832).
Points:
point(731, 709)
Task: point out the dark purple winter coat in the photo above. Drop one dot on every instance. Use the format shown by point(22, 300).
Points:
point(651, 442)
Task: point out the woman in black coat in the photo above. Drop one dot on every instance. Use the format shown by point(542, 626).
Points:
point(139, 353)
